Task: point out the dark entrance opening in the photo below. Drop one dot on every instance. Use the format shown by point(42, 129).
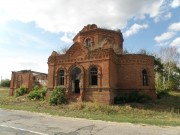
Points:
point(77, 89)
point(75, 80)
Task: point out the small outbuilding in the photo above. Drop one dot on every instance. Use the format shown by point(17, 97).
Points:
point(27, 79)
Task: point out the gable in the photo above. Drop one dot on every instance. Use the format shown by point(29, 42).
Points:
point(77, 50)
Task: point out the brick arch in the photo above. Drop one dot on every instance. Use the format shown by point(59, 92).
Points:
point(56, 75)
point(147, 70)
point(91, 39)
point(148, 73)
point(99, 74)
point(81, 82)
point(98, 67)
point(60, 68)
point(74, 66)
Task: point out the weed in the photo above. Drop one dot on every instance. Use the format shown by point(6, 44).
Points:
point(21, 91)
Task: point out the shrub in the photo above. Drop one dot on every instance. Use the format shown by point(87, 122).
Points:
point(37, 93)
point(121, 99)
point(144, 99)
point(134, 96)
point(57, 96)
point(21, 91)
point(161, 94)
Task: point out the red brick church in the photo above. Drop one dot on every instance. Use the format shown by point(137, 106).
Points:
point(95, 68)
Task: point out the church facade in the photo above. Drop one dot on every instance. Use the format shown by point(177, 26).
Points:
point(95, 68)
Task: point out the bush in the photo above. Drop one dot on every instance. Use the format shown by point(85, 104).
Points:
point(144, 99)
point(134, 96)
point(21, 91)
point(161, 94)
point(37, 93)
point(121, 99)
point(5, 83)
point(57, 96)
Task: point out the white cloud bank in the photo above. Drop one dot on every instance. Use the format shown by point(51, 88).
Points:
point(176, 42)
point(67, 38)
point(175, 3)
point(135, 29)
point(170, 37)
point(72, 15)
point(164, 37)
point(174, 26)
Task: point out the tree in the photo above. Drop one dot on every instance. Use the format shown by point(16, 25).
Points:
point(5, 83)
point(172, 76)
point(125, 51)
point(63, 50)
point(170, 59)
point(158, 66)
point(144, 51)
point(169, 54)
point(159, 73)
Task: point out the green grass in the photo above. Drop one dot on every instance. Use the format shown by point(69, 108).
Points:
point(165, 111)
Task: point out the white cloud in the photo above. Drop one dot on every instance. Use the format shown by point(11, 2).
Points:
point(179, 52)
point(176, 42)
point(162, 12)
point(66, 38)
point(164, 43)
point(167, 16)
point(135, 29)
point(175, 26)
point(175, 3)
point(164, 37)
point(71, 16)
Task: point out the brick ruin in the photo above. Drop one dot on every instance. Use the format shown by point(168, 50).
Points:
point(95, 68)
point(28, 79)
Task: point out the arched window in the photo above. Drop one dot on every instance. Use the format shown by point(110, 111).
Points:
point(61, 77)
point(93, 76)
point(88, 42)
point(145, 78)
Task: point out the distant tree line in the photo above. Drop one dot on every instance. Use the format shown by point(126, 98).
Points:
point(5, 83)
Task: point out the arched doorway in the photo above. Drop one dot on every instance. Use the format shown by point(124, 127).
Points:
point(75, 80)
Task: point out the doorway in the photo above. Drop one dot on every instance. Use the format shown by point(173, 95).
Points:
point(77, 89)
point(75, 80)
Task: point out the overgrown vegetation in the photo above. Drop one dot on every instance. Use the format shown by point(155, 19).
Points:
point(21, 91)
point(164, 111)
point(58, 96)
point(38, 93)
point(134, 96)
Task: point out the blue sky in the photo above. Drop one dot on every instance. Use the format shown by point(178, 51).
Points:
point(31, 29)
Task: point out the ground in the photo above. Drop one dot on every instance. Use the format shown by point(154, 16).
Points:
point(26, 123)
point(162, 112)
